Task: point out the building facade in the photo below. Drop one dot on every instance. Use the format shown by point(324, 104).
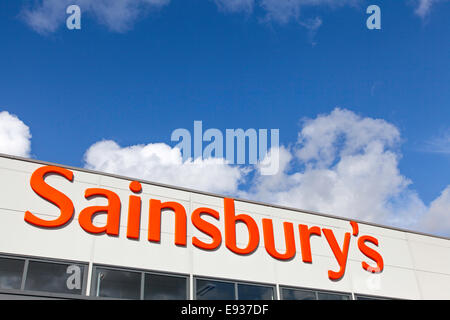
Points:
point(77, 234)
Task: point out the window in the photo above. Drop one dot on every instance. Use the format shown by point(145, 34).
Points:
point(137, 285)
point(111, 283)
point(332, 296)
point(297, 294)
point(54, 277)
point(11, 272)
point(207, 289)
point(164, 287)
point(254, 292)
point(305, 294)
point(214, 290)
point(30, 274)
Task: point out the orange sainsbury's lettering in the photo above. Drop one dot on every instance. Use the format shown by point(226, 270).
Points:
point(370, 253)
point(112, 211)
point(269, 241)
point(52, 195)
point(207, 228)
point(340, 255)
point(154, 227)
point(230, 229)
point(231, 220)
point(134, 211)
point(305, 240)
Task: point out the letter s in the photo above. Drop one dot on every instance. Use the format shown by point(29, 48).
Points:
point(207, 228)
point(370, 253)
point(52, 195)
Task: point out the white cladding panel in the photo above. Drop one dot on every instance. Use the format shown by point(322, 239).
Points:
point(416, 266)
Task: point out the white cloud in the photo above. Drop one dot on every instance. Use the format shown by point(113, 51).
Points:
point(439, 144)
point(14, 136)
point(344, 165)
point(342, 133)
point(46, 16)
point(159, 162)
point(235, 5)
point(437, 219)
point(283, 11)
point(423, 7)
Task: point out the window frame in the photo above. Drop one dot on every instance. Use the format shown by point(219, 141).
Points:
point(184, 276)
point(315, 291)
point(142, 272)
point(235, 283)
point(49, 294)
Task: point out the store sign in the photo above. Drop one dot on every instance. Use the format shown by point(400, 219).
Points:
point(113, 212)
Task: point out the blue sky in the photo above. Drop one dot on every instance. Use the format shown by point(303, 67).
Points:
point(194, 60)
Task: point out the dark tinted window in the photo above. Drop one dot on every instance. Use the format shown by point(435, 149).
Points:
point(298, 294)
point(332, 296)
point(164, 287)
point(254, 292)
point(117, 283)
point(54, 277)
point(11, 271)
point(214, 290)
